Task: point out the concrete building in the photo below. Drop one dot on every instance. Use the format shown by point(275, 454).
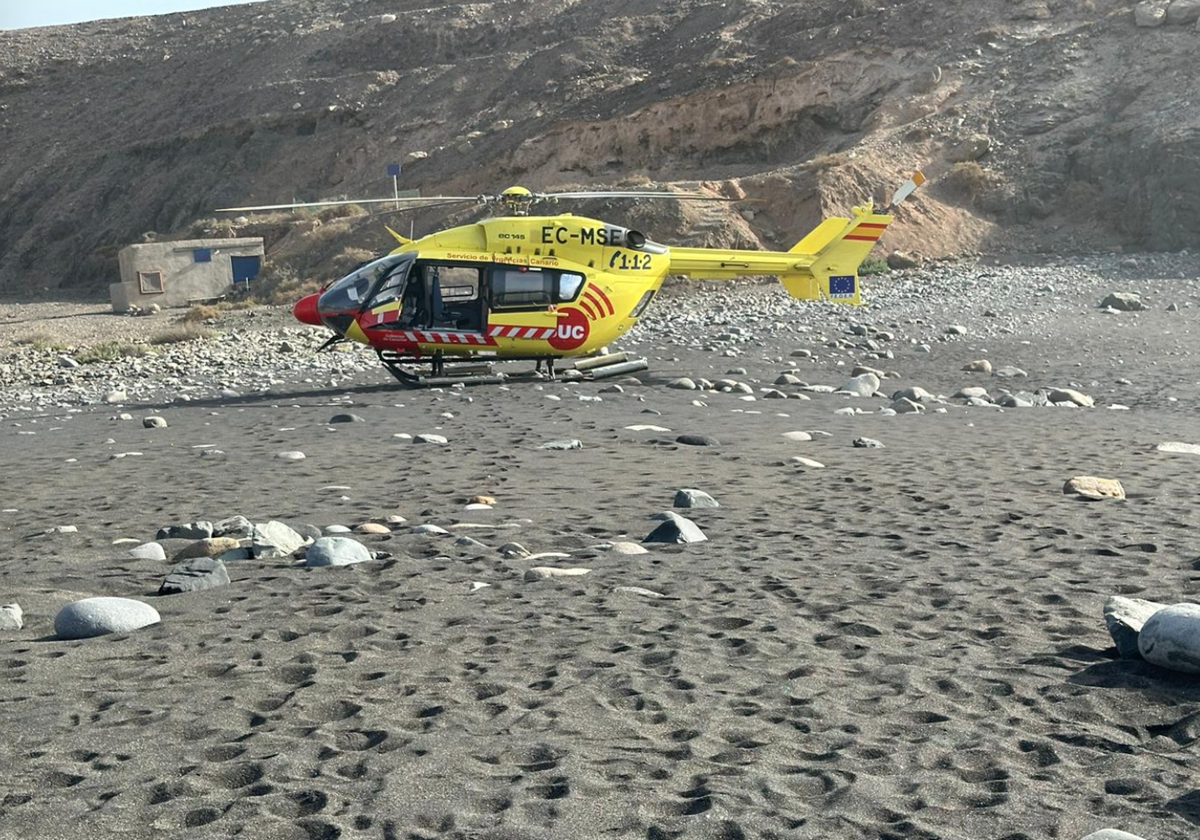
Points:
point(184, 272)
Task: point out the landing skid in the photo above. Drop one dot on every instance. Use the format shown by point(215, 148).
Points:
point(443, 372)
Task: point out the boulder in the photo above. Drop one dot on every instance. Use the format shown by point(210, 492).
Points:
point(1123, 302)
point(1150, 13)
point(864, 385)
point(11, 617)
point(694, 499)
point(1094, 489)
point(867, 443)
point(970, 392)
point(211, 547)
point(682, 384)
point(336, 551)
point(154, 422)
point(900, 260)
point(194, 575)
point(906, 406)
point(676, 529)
point(100, 616)
point(1183, 12)
point(1170, 638)
point(1124, 618)
point(978, 366)
point(970, 148)
point(234, 526)
point(273, 540)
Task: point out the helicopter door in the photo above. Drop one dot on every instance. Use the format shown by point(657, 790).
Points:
point(451, 297)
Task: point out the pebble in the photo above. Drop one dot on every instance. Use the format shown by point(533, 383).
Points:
point(799, 437)
point(148, 551)
point(439, 440)
point(476, 585)
point(1094, 489)
point(1125, 618)
point(433, 530)
point(63, 529)
point(1009, 373)
point(682, 384)
point(638, 590)
point(867, 443)
point(978, 366)
point(99, 616)
point(336, 551)
point(676, 529)
point(1068, 395)
point(1170, 638)
point(195, 575)
point(11, 617)
point(807, 462)
point(562, 445)
point(548, 572)
point(154, 422)
point(336, 529)
point(1111, 834)
point(290, 455)
point(694, 499)
point(513, 551)
point(644, 427)
point(697, 440)
point(274, 540)
point(482, 500)
point(372, 528)
point(234, 526)
point(114, 397)
point(346, 418)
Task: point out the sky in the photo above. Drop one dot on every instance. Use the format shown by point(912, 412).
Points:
point(19, 14)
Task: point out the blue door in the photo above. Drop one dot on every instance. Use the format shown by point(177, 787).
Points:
point(245, 269)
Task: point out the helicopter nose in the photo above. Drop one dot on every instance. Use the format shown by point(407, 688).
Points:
point(305, 310)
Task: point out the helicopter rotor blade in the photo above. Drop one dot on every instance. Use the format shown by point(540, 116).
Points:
point(632, 194)
point(414, 201)
point(481, 200)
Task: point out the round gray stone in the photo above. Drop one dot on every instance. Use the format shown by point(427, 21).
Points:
point(336, 551)
point(100, 616)
point(1170, 638)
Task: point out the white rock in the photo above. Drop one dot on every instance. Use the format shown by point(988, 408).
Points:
point(148, 551)
point(291, 455)
point(1125, 618)
point(336, 551)
point(863, 385)
point(638, 590)
point(154, 422)
point(628, 548)
point(807, 462)
point(1170, 638)
point(797, 436)
point(547, 572)
point(100, 616)
point(1181, 448)
point(1111, 834)
point(114, 397)
point(274, 540)
point(643, 427)
point(11, 617)
point(434, 530)
point(435, 439)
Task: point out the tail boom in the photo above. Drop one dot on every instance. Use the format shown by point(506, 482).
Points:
point(821, 266)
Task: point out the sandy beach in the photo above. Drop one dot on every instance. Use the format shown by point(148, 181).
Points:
point(903, 644)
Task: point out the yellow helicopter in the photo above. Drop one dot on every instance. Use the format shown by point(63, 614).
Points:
point(544, 288)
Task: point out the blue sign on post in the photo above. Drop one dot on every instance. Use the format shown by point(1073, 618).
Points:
point(393, 169)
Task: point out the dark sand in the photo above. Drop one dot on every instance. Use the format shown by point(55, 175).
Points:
point(906, 645)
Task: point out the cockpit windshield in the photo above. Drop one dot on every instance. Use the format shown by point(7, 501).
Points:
point(348, 295)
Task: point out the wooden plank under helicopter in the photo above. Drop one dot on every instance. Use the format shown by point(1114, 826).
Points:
point(544, 288)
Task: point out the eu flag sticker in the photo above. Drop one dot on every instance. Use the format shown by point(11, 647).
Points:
point(841, 286)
